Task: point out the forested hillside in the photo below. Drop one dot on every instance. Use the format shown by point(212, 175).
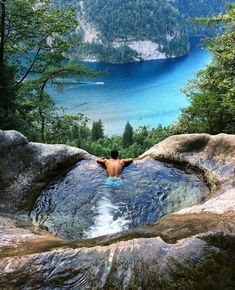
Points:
point(119, 25)
point(137, 20)
point(199, 8)
point(127, 30)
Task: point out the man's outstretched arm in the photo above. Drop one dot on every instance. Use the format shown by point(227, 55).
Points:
point(127, 161)
point(101, 161)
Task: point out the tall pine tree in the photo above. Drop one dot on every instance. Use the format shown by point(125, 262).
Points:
point(97, 131)
point(127, 138)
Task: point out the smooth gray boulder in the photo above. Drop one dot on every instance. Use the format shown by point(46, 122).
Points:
point(213, 156)
point(26, 167)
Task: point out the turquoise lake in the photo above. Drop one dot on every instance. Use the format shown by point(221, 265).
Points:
point(143, 93)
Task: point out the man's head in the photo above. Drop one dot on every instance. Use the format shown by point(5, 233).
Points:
point(114, 154)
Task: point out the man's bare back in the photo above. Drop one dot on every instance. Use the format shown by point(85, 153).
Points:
point(114, 166)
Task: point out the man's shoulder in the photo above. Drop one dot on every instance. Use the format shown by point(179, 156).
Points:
point(127, 161)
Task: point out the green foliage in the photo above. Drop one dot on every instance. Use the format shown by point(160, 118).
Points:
point(37, 42)
point(97, 131)
point(75, 132)
point(106, 53)
point(38, 35)
point(212, 94)
point(66, 128)
point(127, 138)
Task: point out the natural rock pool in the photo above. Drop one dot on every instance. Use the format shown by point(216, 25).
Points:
point(79, 203)
point(190, 249)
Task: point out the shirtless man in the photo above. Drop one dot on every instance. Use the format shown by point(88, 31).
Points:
point(114, 166)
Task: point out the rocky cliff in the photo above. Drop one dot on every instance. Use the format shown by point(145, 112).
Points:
point(189, 249)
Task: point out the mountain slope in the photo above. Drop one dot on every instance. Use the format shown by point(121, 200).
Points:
point(134, 29)
point(127, 30)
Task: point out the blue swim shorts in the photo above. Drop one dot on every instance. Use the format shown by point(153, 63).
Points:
point(114, 182)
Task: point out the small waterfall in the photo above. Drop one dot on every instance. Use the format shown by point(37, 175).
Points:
point(105, 222)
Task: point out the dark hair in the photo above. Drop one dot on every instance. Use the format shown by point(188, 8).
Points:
point(114, 154)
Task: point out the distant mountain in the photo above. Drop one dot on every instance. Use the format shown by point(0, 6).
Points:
point(129, 30)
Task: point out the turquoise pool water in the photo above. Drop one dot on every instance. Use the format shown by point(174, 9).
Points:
point(143, 93)
point(81, 204)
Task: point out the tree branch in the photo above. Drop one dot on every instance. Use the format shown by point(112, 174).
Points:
point(16, 45)
point(31, 66)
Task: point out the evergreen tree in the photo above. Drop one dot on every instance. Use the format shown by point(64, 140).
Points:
point(127, 138)
point(7, 77)
point(97, 131)
point(8, 102)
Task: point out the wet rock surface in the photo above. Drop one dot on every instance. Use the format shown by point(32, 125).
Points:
point(118, 266)
point(193, 248)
